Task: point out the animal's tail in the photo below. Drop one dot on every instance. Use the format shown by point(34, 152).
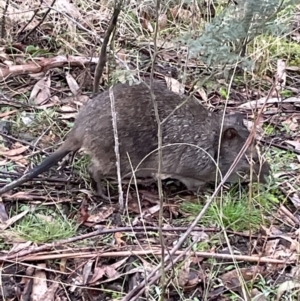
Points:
point(44, 166)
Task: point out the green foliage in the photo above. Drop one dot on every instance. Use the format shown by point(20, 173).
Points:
point(45, 225)
point(223, 40)
point(234, 210)
point(223, 92)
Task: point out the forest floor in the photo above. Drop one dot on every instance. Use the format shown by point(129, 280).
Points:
point(60, 241)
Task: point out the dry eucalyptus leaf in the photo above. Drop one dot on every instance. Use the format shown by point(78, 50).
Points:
point(101, 215)
point(14, 152)
point(73, 85)
point(286, 287)
point(87, 269)
point(259, 102)
point(162, 21)
point(39, 286)
point(295, 143)
point(174, 85)
point(66, 7)
point(145, 21)
point(41, 91)
point(281, 74)
point(12, 220)
point(50, 295)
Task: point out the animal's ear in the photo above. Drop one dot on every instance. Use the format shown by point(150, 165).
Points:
point(229, 133)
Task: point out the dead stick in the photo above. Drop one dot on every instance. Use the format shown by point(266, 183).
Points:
point(103, 56)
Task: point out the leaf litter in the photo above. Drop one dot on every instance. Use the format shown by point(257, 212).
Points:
point(53, 83)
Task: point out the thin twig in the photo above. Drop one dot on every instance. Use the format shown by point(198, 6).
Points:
point(24, 143)
point(55, 245)
point(4, 19)
point(103, 55)
point(39, 23)
point(126, 253)
point(159, 146)
point(117, 151)
point(31, 19)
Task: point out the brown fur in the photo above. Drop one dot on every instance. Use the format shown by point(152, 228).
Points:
point(193, 129)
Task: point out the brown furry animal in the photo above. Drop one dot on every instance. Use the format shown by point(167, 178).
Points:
point(190, 135)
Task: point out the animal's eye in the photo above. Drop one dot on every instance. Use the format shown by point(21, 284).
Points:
point(230, 133)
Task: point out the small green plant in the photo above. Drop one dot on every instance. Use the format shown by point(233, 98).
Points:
point(285, 128)
point(223, 93)
point(45, 225)
point(233, 210)
point(36, 51)
point(286, 93)
point(280, 159)
point(81, 166)
point(269, 130)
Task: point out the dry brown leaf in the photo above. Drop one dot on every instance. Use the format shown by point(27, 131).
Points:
point(87, 271)
point(292, 123)
point(162, 21)
point(11, 237)
point(98, 274)
point(8, 113)
point(12, 220)
point(119, 263)
point(145, 21)
point(295, 197)
point(73, 85)
point(184, 15)
point(67, 109)
point(295, 143)
point(63, 265)
point(102, 215)
point(3, 213)
point(20, 160)
point(14, 152)
point(183, 274)
point(181, 14)
point(68, 116)
point(3, 162)
point(174, 11)
point(50, 294)
point(122, 55)
point(19, 245)
point(259, 102)
point(66, 7)
point(174, 85)
point(53, 101)
point(256, 295)
point(203, 94)
point(232, 278)
point(152, 210)
point(281, 74)
point(41, 91)
point(118, 237)
point(111, 272)
point(287, 286)
point(19, 14)
point(39, 287)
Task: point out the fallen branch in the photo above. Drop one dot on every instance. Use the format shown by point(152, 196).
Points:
point(157, 252)
point(45, 64)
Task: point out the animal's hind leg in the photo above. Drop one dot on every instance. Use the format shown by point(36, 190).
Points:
point(97, 177)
